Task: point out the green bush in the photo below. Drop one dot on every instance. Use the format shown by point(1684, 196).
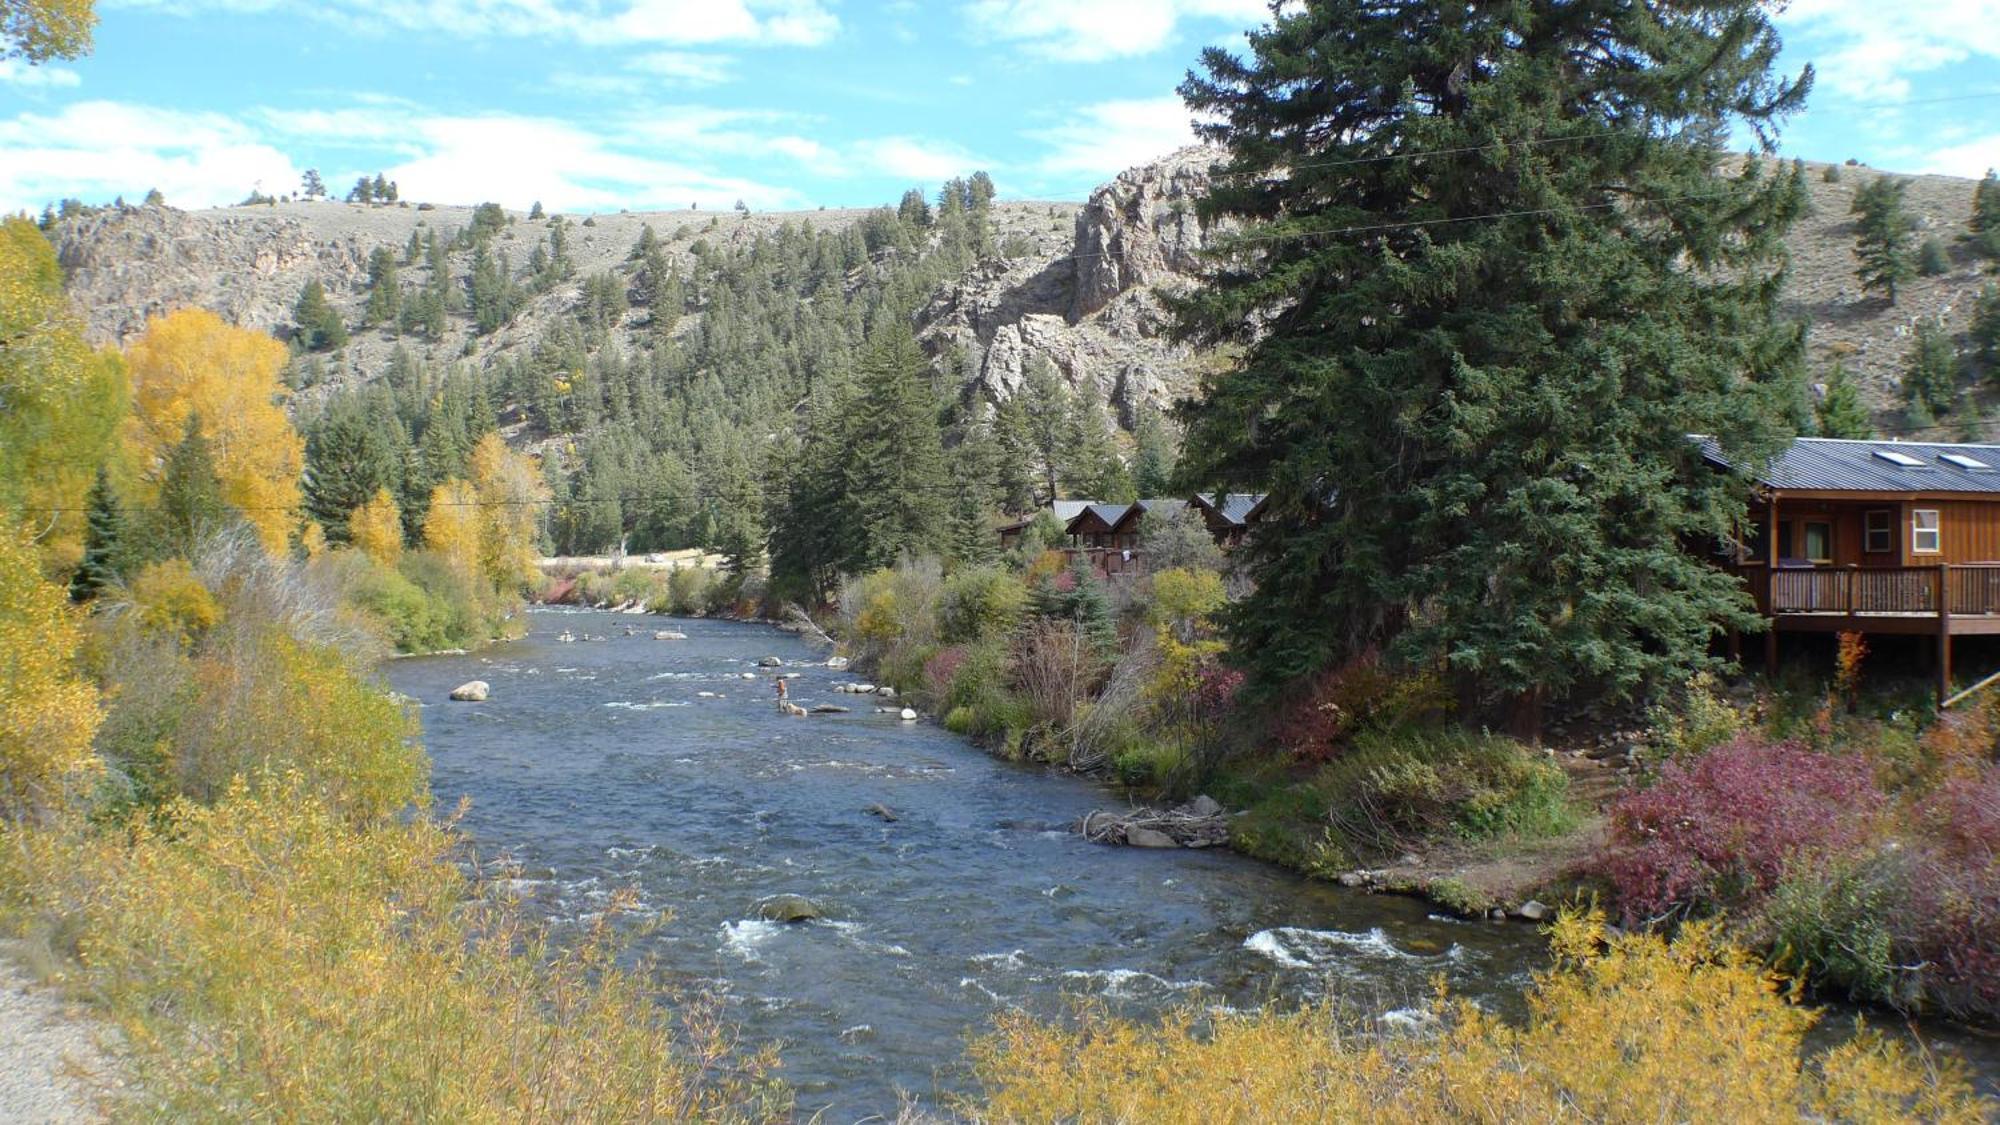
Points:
point(1829, 919)
point(687, 591)
point(980, 604)
point(416, 623)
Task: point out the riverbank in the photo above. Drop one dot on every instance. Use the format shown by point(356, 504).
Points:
point(54, 1067)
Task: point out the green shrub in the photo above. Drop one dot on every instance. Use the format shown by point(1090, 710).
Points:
point(416, 622)
point(1146, 762)
point(687, 591)
point(980, 604)
point(1829, 919)
point(637, 584)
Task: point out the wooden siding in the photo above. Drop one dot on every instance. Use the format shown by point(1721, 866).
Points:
point(1970, 529)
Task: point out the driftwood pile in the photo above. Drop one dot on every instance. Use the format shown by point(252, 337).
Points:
point(1200, 823)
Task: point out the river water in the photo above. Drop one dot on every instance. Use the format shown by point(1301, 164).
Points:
point(659, 768)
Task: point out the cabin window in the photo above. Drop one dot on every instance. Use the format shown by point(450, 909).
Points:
point(1818, 541)
point(1878, 532)
point(1925, 536)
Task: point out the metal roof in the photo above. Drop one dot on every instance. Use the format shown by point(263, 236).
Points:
point(1234, 507)
point(1109, 513)
point(1164, 506)
point(1067, 510)
point(1841, 465)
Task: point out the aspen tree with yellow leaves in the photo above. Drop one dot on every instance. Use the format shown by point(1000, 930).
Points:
point(510, 497)
point(451, 531)
point(48, 712)
point(60, 399)
point(376, 528)
point(192, 363)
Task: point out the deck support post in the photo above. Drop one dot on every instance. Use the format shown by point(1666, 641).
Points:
point(1943, 634)
point(1771, 585)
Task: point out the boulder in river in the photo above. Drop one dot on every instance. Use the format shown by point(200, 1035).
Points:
point(669, 635)
point(909, 715)
point(1204, 805)
point(770, 662)
point(472, 691)
point(829, 709)
point(789, 908)
point(886, 692)
point(1149, 838)
point(882, 812)
point(1532, 911)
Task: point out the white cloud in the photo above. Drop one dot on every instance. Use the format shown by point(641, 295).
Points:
point(1868, 51)
point(95, 150)
point(1095, 30)
point(916, 159)
point(684, 67)
point(1971, 159)
point(804, 23)
point(1099, 141)
point(14, 72)
point(98, 149)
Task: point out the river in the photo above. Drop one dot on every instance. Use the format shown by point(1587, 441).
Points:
point(665, 768)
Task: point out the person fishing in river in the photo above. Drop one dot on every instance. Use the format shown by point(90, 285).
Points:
point(781, 688)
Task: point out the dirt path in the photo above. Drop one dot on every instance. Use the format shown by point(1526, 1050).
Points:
point(51, 1066)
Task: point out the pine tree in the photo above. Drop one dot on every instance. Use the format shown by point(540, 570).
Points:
point(1986, 214)
point(893, 471)
point(312, 187)
point(363, 191)
point(350, 456)
point(1932, 261)
point(535, 212)
point(190, 503)
point(1046, 416)
point(319, 326)
point(104, 542)
point(385, 293)
point(1882, 236)
point(1840, 413)
point(1495, 479)
point(1153, 462)
point(1930, 377)
point(1986, 328)
point(1095, 469)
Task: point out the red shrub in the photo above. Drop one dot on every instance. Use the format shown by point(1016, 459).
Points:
point(942, 668)
point(1323, 713)
point(1720, 831)
point(1953, 916)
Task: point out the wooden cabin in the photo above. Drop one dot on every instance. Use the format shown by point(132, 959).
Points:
point(1886, 537)
point(1229, 515)
point(1063, 510)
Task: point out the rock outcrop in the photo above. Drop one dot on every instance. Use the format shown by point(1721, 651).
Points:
point(1093, 310)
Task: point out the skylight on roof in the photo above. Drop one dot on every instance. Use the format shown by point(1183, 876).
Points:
point(1895, 458)
point(1963, 461)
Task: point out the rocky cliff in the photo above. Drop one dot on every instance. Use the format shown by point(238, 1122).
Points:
point(1076, 285)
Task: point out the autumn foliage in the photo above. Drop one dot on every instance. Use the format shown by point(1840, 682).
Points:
point(48, 712)
point(192, 364)
point(1636, 1030)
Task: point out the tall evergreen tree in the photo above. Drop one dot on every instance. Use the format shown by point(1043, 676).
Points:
point(190, 501)
point(1095, 469)
point(104, 542)
point(1930, 378)
point(385, 293)
point(1840, 413)
point(1046, 416)
point(1986, 328)
point(1882, 234)
point(351, 453)
point(1153, 459)
point(893, 469)
point(1986, 214)
point(319, 326)
point(1503, 276)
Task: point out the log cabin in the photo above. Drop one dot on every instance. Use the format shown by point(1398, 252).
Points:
point(1229, 515)
point(1884, 537)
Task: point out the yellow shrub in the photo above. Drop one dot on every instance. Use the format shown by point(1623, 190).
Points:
point(169, 601)
point(1185, 600)
point(1641, 1031)
point(268, 959)
point(48, 713)
point(376, 528)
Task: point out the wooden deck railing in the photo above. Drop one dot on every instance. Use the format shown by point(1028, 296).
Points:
point(1962, 589)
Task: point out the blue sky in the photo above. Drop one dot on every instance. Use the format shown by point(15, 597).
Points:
point(602, 104)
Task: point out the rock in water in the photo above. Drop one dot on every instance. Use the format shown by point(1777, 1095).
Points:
point(886, 692)
point(1149, 838)
point(909, 715)
point(472, 692)
point(770, 662)
point(829, 709)
point(789, 908)
point(882, 811)
point(1532, 910)
point(669, 635)
point(1204, 805)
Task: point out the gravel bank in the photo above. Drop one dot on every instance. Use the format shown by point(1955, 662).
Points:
point(51, 1066)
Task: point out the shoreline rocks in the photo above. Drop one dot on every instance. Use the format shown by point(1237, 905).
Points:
point(1201, 823)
